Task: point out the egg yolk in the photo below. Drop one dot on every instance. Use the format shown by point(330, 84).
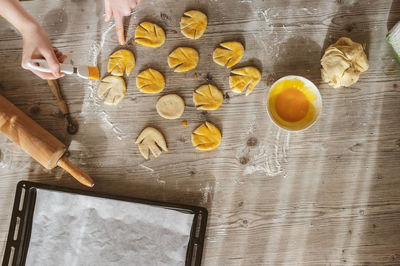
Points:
point(292, 105)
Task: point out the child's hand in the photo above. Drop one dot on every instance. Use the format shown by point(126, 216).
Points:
point(119, 9)
point(36, 45)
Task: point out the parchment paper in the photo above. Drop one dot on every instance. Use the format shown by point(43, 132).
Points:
point(70, 229)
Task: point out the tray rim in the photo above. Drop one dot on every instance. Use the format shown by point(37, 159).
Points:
point(21, 244)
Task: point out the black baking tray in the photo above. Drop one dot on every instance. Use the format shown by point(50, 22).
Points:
point(24, 205)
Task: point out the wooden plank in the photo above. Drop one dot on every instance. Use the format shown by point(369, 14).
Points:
point(328, 195)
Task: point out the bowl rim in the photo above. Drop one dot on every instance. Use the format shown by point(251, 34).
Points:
point(307, 82)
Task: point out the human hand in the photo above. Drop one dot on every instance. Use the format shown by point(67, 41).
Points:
point(37, 45)
point(119, 9)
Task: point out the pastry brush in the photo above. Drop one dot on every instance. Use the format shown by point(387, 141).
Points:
point(86, 72)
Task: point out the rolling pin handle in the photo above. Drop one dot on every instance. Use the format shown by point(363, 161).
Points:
point(77, 173)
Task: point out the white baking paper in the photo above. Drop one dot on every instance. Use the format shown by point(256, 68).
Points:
point(70, 229)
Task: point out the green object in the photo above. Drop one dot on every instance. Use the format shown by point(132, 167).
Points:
point(393, 38)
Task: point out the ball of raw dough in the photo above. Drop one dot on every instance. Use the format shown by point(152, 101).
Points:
point(170, 106)
point(343, 62)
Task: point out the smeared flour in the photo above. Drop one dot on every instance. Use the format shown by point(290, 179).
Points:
point(270, 158)
point(92, 103)
point(12, 157)
point(269, 155)
point(206, 193)
point(146, 168)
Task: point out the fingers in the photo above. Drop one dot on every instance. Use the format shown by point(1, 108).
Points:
point(60, 56)
point(134, 3)
point(119, 27)
point(44, 75)
point(52, 62)
point(108, 11)
point(62, 59)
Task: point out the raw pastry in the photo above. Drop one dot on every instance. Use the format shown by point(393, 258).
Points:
point(149, 34)
point(193, 24)
point(229, 55)
point(244, 78)
point(120, 62)
point(113, 89)
point(183, 58)
point(151, 140)
point(170, 106)
point(206, 137)
point(207, 97)
point(150, 81)
point(343, 62)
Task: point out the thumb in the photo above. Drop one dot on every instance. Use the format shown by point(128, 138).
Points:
point(52, 62)
point(119, 27)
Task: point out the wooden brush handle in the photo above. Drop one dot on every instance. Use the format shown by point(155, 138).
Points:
point(76, 172)
point(55, 89)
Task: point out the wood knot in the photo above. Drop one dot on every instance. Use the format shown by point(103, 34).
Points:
point(349, 27)
point(244, 160)
point(226, 97)
point(251, 142)
point(34, 110)
point(164, 16)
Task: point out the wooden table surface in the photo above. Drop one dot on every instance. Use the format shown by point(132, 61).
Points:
point(328, 195)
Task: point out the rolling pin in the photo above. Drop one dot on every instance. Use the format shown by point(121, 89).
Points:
point(36, 141)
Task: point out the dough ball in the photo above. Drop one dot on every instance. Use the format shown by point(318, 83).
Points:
point(150, 81)
point(208, 97)
point(229, 55)
point(245, 78)
point(112, 89)
point(150, 139)
point(170, 106)
point(343, 62)
point(149, 34)
point(183, 59)
point(193, 24)
point(206, 137)
point(120, 62)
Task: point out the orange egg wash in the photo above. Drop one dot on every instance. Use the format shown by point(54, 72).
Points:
point(291, 105)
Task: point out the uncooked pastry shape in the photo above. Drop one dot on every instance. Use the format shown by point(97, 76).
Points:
point(229, 55)
point(193, 24)
point(245, 78)
point(151, 140)
point(208, 97)
point(150, 81)
point(343, 63)
point(149, 34)
point(112, 89)
point(120, 62)
point(183, 59)
point(170, 106)
point(206, 137)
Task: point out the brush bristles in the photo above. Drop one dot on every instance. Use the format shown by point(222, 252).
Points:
point(94, 73)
